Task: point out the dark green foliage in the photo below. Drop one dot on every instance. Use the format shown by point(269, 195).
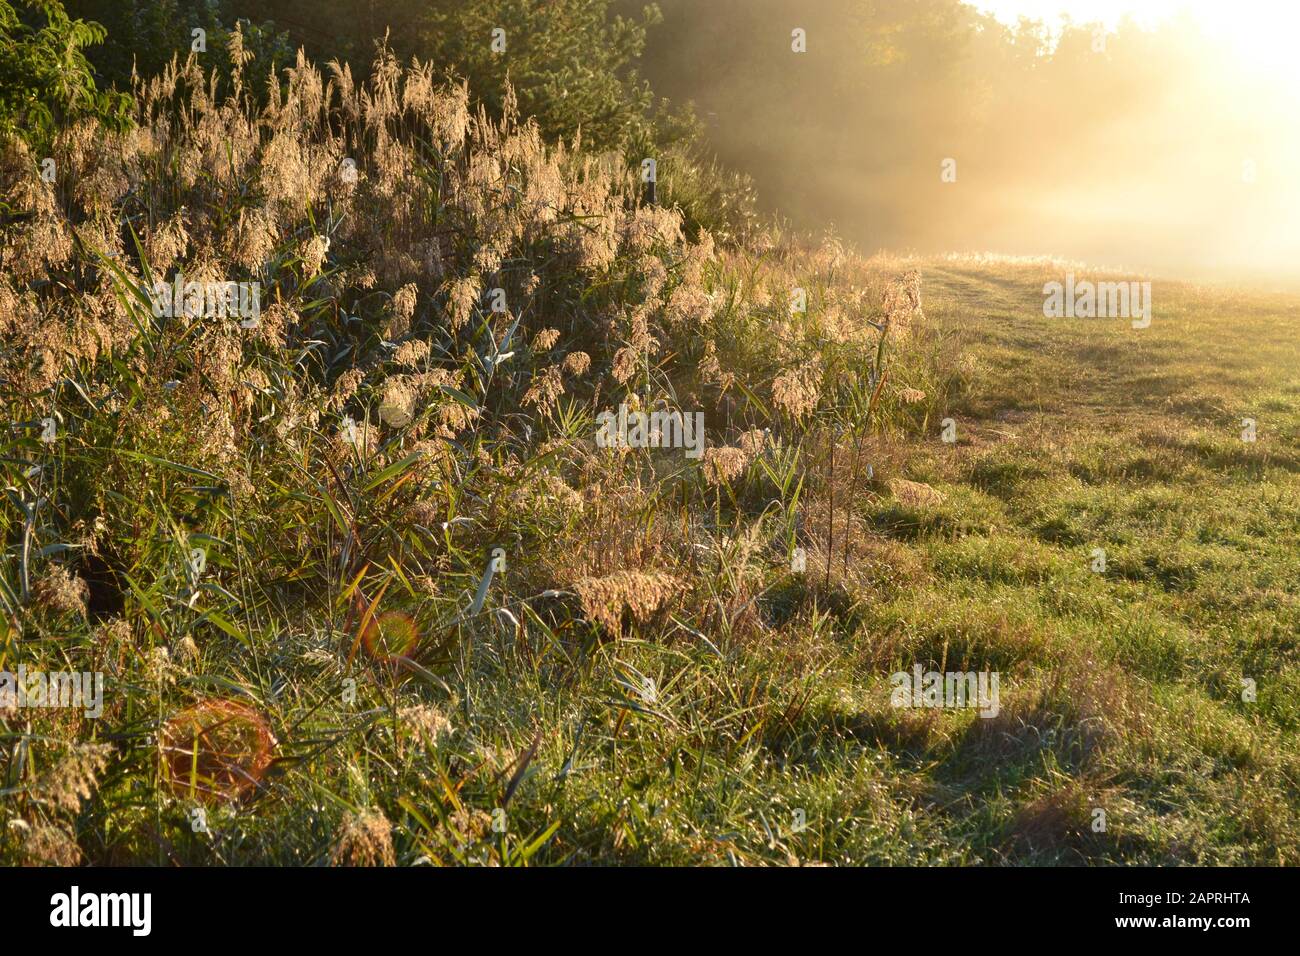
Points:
point(45, 80)
point(144, 36)
point(568, 61)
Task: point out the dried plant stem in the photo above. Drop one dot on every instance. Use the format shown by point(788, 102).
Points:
point(830, 525)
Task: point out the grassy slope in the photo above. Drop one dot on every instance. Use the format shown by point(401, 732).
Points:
point(1120, 690)
point(1124, 687)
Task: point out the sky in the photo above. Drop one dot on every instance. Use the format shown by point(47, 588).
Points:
point(1262, 33)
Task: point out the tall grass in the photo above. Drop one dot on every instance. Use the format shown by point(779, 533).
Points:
point(375, 529)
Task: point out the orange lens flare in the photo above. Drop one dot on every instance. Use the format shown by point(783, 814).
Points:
point(390, 635)
point(216, 750)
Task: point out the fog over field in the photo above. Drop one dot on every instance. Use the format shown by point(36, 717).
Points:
point(1156, 136)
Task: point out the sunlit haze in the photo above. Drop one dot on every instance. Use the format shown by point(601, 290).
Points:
point(1261, 33)
point(1245, 230)
point(1159, 136)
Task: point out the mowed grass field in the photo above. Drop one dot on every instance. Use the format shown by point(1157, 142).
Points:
point(1122, 690)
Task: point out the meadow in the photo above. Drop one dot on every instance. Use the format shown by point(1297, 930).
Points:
point(366, 590)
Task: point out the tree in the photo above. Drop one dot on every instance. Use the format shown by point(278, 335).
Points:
point(144, 35)
point(569, 62)
point(45, 79)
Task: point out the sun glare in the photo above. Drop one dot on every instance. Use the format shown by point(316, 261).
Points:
point(1259, 34)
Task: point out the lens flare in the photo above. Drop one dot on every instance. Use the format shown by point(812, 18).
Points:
point(216, 750)
point(390, 635)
